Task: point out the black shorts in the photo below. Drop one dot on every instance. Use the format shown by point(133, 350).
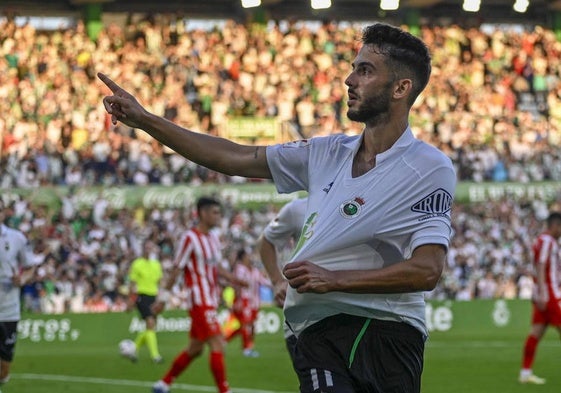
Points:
point(143, 304)
point(350, 354)
point(8, 337)
point(290, 342)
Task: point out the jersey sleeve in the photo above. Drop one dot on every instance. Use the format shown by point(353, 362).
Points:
point(281, 228)
point(183, 251)
point(433, 210)
point(288, 164)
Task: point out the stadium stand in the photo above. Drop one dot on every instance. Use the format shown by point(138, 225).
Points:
point(493, 105)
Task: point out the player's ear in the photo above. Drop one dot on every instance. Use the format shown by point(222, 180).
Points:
point(402, 88)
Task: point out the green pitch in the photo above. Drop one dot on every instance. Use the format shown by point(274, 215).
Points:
point(471, 357)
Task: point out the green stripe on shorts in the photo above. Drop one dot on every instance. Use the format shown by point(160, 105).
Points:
point(357, 341)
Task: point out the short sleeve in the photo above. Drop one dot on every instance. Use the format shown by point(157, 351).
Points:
point(282, 227)
point(288, 164)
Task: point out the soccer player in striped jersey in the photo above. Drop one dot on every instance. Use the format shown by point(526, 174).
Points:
point(247, 301)
point(198, 256)
point(546, 299)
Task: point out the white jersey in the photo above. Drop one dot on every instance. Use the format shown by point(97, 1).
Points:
point(288, 223)
point(367, 222)
point(14, 256)
point(285, 229)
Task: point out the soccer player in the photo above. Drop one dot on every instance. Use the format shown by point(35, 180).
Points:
point(198, 256)
point(145, 274)
point(546, 298)
point(16, 269)
point(377, 225)
point(282, 230)
point(246, 301)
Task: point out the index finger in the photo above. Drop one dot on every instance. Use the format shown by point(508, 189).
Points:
point(109, 82)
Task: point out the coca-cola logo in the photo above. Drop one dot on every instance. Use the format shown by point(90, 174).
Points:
point(116, 197)
point(168, 197)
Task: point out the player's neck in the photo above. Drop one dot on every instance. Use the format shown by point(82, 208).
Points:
point(201, 227)
point(381, 137)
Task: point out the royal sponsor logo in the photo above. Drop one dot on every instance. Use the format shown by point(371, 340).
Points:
point(437, 202)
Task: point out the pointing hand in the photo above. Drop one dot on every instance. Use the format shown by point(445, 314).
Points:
point(122, 106)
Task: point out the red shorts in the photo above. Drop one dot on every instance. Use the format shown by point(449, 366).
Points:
point(550, 316)
point(204, 323)
point(244, 312)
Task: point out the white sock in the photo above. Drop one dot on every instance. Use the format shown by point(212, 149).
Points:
point(525, 372)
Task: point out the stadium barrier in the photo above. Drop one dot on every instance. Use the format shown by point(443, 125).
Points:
point(499, 316)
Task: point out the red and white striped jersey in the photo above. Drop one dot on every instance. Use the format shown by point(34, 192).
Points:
point(546, 251)
point(254, 277)
point(199, 254)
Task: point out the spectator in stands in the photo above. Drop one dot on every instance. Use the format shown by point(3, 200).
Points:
point(482, 80)
point(479, 109)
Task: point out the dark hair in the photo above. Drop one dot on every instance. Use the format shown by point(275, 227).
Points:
point(407, 55)
point(553, 217)
point(205, 202)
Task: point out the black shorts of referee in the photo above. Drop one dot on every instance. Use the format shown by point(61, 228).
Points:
point(143, 304)
point(350, 354)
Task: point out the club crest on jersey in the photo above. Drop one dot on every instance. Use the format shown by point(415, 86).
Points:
point(351, 208)
point(437, 203)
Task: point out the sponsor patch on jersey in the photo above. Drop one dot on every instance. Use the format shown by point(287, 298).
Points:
point(351, 208)
point(437, 203)
point(300, 143)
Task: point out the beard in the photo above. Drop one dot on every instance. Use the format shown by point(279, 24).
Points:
point(373, 107)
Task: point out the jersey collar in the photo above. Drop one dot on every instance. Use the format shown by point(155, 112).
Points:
point(403, 141)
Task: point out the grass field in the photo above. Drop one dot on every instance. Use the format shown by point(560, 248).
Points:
point(462, 360)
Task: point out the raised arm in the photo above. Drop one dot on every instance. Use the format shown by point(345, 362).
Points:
point(215, 153)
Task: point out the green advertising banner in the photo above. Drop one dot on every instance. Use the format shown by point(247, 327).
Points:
point(250, 195)
point(253, 195)
point(467, 192)
point(478, 317)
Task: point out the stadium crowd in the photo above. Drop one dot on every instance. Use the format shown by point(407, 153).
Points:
point(493, 105)
point(86, 253)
